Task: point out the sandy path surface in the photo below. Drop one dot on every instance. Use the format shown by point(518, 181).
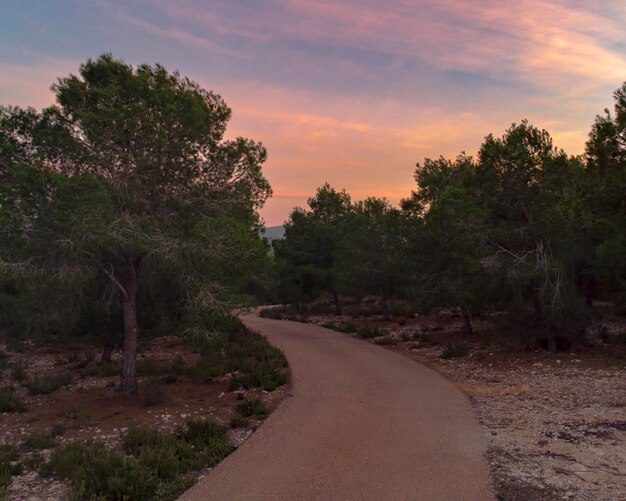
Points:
point(363, 423)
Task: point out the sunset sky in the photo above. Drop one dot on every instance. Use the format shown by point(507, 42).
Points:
point(351, 92)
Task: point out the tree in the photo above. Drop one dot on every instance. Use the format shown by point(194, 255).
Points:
point(372, 253)
point(450, 219)
point(143, 150)
point(604, 194)
point(306, 256)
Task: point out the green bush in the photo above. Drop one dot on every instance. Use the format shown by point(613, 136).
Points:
point(36, 442)
point(248, 355)
point(9, 402)
point(162, 453)
point(252, 407)
point(18, 371)
point(94, 472)
point(203, 433)
point(178, 367)
point(58, 430)
point(152, 464)
point(239, 422)
point(274, 313)
point(455, 350)
point(369, 331)
point(347, 327)
point(8, 467)
point(386, 341)
point(42, 385)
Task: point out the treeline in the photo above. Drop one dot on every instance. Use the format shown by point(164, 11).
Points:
point(522, 229)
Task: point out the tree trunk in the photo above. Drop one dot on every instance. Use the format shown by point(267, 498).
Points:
point(467, 322)
point(337, 302)
point(128, 379)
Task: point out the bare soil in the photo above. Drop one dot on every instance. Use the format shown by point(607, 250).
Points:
point(554, 424)
point(91, 408)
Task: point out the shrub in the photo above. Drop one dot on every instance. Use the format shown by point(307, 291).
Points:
point(260, 365)
point(18, 371)
point(42, 385)
point(8, 467)
point(255, 362)
point(58, 430)
point(162, 453)
point(153, 391)
point(202, 433)
point(454, 350)
point(347, 327)
point(94, 472)
point(81, 417)
point(9, 402)
point(36, 442)
point(425, 339)
point(271, 313)
point(179, 366)
point(252, 407)
point(386, 341)
point(239, 422)
point(369, 331)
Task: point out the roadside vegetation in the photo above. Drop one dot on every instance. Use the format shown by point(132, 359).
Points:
point(129, 225)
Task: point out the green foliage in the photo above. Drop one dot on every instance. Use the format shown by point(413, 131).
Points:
point(455, 350)
point(58, 430)
point(36, 441)
point(369, 331)
point(252, 407)
point(83, 214)
point(239, 422)
point(153, 465)
point(95, 472)
point(254, 362)
point(9, 402)
point(273, 313)
point(44, 384)
point(18, 371)
point(9, 466)
point(306, 256)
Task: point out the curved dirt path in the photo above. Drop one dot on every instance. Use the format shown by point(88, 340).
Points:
point(363, 424)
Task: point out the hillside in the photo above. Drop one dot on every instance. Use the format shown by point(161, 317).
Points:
point(274, 232)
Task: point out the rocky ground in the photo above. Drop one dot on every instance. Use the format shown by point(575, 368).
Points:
point(90, 408)
point(555, 424)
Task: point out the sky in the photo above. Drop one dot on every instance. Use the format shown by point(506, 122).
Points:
point(352, 92)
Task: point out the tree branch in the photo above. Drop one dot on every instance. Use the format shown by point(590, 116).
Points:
point(115, 282)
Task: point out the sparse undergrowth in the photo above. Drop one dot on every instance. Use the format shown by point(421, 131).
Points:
point(9, 402)
point(252, 407)
point(9, 466)
point(44, 384)
point(454, 349)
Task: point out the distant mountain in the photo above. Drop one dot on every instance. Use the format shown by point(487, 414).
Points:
point(274, 232)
